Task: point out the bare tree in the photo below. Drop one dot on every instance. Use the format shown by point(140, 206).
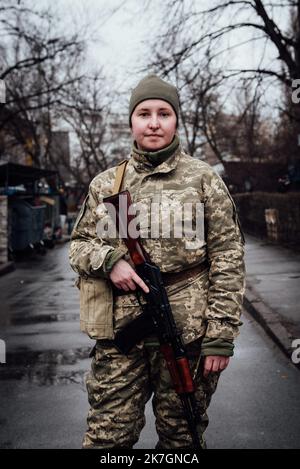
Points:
point(197, 27)
point(236, 131)
point(37, 66)
point(195, 49)
point(48, 86)
point(86, 108)
point(249, 136)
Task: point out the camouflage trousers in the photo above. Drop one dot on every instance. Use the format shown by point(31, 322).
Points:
point(119, 387)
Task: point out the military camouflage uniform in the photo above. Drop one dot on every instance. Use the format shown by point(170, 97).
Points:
point(119, 387)
point(206, 307)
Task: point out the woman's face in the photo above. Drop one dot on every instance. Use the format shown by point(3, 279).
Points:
point(153, 124)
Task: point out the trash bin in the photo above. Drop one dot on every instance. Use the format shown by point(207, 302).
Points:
point(27, 225)
point(38, 219)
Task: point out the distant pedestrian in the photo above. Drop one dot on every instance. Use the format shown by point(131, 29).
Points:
point(63, 209)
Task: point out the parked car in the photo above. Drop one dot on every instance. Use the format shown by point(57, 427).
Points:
point(26, 227)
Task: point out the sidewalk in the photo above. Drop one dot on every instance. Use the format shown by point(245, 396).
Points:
point(272, 294)
point(11, 265)
point(7, 267)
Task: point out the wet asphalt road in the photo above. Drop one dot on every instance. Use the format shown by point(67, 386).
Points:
point(42, 391)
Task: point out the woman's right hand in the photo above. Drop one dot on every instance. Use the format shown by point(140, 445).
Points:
point(123, 276)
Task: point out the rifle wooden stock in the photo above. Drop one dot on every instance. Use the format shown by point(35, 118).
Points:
point(123, 218)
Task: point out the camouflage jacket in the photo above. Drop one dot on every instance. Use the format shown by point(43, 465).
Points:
point(209, 304)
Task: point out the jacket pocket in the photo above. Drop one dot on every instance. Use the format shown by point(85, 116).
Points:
point(182, 219)
point(236, 218)
point(96, 308)
point(81, 213)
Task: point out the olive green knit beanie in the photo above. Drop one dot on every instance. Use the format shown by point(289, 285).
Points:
point(153, 87)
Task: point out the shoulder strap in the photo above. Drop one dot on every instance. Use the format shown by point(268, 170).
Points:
point(119, 176)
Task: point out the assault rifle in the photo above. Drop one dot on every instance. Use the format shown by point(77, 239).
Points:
point(156, 317)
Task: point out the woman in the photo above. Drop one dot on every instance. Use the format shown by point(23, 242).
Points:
point(204, 278)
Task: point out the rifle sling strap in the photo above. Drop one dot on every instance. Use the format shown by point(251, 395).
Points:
point(119, 176)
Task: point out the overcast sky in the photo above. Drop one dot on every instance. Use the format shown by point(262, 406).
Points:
point(117, 40)
point(119, 29)
point(122, 34)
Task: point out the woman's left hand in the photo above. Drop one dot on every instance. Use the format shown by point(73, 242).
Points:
point(214, 363)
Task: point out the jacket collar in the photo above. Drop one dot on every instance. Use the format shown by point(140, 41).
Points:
point(168, 158)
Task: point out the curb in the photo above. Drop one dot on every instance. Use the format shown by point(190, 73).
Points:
point(63, 240)
point(270, 320)
point(7, 267)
